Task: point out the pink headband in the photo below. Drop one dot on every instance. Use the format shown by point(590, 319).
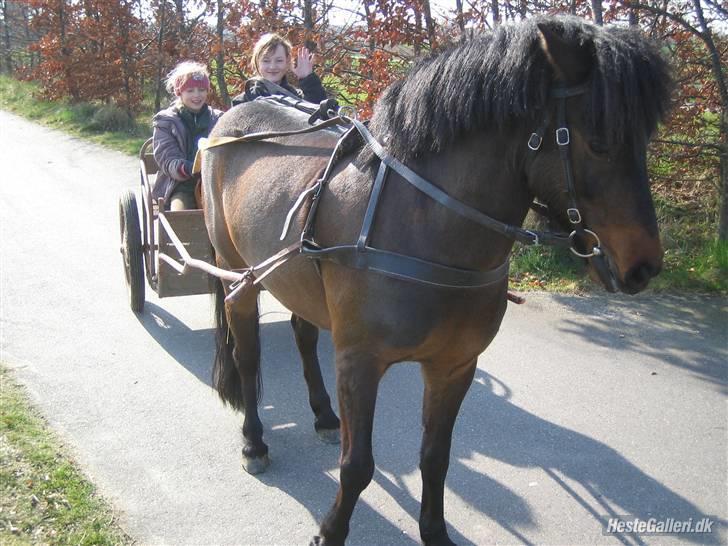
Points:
point(196, 80)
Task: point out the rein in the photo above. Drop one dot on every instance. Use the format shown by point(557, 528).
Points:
point(362, 256)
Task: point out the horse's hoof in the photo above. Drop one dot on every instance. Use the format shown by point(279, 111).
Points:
point(256, 465)
point(442, 540)
point(329, 435)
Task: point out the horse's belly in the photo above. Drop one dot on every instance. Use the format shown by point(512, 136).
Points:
point(403, 320)
point(256, 205)
point(298, 286)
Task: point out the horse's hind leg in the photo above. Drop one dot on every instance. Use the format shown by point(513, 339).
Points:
point(237, 372)
point(326, 423)
point(445, 389)
point(357, 381)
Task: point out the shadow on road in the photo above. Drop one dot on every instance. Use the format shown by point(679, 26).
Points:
point(599, 479)
point(193, 349)
point(688, 332)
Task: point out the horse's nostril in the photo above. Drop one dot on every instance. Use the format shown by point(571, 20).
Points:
point(637, 278)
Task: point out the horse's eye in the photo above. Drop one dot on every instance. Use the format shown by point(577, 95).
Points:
point(599, 147)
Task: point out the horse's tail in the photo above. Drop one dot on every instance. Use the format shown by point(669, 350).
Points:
point(225, 377)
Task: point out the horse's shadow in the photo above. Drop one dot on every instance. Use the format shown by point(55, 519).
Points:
point(288, 421)
point(687, 332)
point(600, 481)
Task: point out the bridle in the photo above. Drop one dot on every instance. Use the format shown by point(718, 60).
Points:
point(361, 255)
point(579, 232)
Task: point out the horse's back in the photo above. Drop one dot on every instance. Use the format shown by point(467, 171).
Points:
point(249, 188)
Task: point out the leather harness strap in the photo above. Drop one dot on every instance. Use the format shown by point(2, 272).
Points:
point(213, 142)
point(362, 256)
point(404, 267)
point(521, 235)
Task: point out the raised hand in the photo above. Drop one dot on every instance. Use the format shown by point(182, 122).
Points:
point(304, 63)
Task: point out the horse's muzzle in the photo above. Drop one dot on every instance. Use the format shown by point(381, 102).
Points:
point(635, 279)
point(638, 277)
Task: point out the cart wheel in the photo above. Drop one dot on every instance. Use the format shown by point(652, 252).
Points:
point(131, 249)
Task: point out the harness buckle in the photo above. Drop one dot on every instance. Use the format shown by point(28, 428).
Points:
point(574, 215)
point(534, 142)
point(347, 113)
point(536, 240)
point(562, 136)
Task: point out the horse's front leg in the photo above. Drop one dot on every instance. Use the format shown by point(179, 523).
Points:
point(326, 423)
point(244, 327)
point(357, 381)
point(445, 389)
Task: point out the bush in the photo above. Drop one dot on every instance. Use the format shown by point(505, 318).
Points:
point(83, 111)
point(110, 117)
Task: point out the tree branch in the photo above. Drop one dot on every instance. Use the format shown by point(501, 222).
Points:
point(664, 13)
point(716, 147)
point(717, 7)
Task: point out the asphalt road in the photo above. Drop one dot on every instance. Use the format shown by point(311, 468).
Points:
point(583, 407)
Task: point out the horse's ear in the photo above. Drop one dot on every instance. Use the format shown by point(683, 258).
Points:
point(571, 59)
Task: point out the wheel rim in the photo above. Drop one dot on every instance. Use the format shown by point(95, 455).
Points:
point(125, 252)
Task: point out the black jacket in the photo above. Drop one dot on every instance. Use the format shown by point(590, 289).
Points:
point(311, 90)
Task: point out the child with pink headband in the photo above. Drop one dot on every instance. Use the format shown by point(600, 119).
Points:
point(178, 129)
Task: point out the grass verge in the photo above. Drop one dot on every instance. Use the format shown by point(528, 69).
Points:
point(101, 123)
point(694, 259)
point(44, 498)
point(700, 267)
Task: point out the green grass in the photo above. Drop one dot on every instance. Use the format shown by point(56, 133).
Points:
point(89, 121)
point(546, 268)
point(44, 498)
point(694, 259)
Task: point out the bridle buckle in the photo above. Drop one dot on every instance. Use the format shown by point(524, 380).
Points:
point(574, 215)
point(534, 142)
point(562, 136)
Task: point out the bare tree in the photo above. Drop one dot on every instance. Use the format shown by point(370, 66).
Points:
point(220, 57)
point(429, 22)
point(460, 16)
point(597, 12)
point(161, 32)
point(7, 50)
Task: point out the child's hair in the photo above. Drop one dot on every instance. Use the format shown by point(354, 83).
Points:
point(183, 73)
point(267, 43)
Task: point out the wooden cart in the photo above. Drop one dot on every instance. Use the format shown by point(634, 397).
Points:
point(161, 243)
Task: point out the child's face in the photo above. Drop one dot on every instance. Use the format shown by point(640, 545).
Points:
point(194, 98)
point(274, 64)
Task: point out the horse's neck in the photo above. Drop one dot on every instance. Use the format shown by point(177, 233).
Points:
point(482, 171)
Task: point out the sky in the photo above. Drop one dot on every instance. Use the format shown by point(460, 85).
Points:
point(344, 15)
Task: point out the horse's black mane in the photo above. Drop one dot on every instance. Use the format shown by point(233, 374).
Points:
point(505, 74)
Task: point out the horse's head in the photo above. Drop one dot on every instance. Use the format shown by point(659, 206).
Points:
point(608, 90)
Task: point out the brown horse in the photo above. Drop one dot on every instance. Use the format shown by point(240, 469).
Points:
point(554, 109)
